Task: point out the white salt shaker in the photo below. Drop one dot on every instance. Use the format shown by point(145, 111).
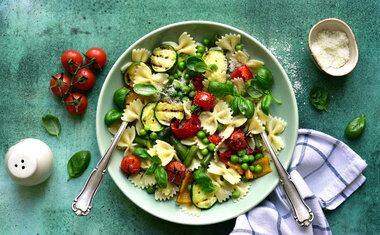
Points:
point(29, 162)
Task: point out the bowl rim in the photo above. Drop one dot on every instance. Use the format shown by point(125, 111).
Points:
point(286, 162)
point(356, 47)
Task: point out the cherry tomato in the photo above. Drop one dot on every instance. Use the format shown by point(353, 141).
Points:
point(99, 55)
point(205, 100)
point(71, 56)
point(215, 138)
point(61, 81)
point(237, 140)
point(130, 164)
point(76, 103)
point(87, 81)
point(176, 172)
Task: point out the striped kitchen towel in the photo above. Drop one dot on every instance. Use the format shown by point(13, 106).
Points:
point(326, 172)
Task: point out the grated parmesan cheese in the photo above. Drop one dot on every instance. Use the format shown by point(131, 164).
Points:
point(331, 49)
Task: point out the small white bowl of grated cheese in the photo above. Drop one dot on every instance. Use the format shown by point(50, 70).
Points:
point(333, 47)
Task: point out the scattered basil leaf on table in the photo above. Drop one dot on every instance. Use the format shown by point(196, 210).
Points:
point(142, 153)
point(145, 89)
point(78, 163)
point(265, 104)
point(246, 107)
point(51, 124)
point(161, 177)
point(201, 178)
point(355, 127)
point(319, 98)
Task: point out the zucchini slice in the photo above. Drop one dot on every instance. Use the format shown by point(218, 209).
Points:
point(130, 72)
point(148, 119)
point(218, 58)
point(167, 109)
point(200, 199)
point(163, 58)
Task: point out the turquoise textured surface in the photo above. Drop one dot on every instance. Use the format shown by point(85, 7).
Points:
point(34, 34)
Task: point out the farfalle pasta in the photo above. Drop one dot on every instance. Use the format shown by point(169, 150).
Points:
point(195, 114)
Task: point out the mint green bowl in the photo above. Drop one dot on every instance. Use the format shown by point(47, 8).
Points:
point(260, 188)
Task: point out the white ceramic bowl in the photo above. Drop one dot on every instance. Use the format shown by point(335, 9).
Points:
point(334, 24)
point(260, 188)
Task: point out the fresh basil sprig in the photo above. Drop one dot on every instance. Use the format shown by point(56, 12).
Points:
point(142, 153)
point(220, 89)
point(204, 181)
point(78, 163)
point(145, 89)
point(161, 177)
point(246, 107)
point(197, 64)
point(51, 124)
point(319, 98)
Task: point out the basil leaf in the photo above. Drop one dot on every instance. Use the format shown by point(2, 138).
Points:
point(161, 177)
point(142, 153)
point(234, 105)
point(191, 62)
point(145, 89)
point(204, 181)
point(220, 89)
point(200, 67)
point(51, 124)
point(246, 107)
point(265, 104)
point(254, 91)
point(212, 67)
point(156, 159)
point(355, 127)
point(319, 98)
point(78, 163)
point(151, 169)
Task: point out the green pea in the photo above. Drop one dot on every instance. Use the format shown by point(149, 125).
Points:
point(205, 140)
point(142, 132)
point(240, 160)
point(205, 42)
point(200, 49)
point(180, 95)
point(211, 146)
point(147, 128)
point(176, 75)
point(198, 54)
point(176, 85)
point(258, 156)
point(181, 66)
point(192, 108)
point(252, 168)
point(245, 158)
point(185, 98)
point(179, 73)
point(244, 166)
point(192, 94)
point(192, 86)
point(171, 78)
point(153, 136)
point(251, 158)
point(185, 89)
point(234, 159)
point(258, 168)
point(201, 134)
point(219, 128)
point(187, 76)
point(239, 47)
point(241, 152)
point(151, 189)
point(235, 194)
point(174, 93)
point(204, 151)
point(189, 187)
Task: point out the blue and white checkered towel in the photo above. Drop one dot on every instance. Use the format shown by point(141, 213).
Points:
point(326, 172)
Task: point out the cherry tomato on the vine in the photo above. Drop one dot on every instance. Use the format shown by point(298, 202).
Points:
point(176, 172)
point(60, 84)
point(71, 57)
point(76, 103)
point(87, 81)
point(99, 55)
point(130, 164)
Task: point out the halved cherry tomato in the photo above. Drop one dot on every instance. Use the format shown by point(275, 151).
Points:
point(176, 172)
point(60, 84)
point(242, 72)
point(237, 140)
point(85, 79)
point(205, 100)
point(71, 58)
point(76, 103)
point(130, 164)
point(215, 138)
point(99, 55)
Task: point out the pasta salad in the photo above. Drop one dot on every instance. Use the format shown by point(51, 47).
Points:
point(195, 111)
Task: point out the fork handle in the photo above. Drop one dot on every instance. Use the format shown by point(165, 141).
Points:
point(83, 202)
point(301, 211)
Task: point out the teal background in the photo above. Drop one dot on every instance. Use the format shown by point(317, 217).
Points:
point(34, 34)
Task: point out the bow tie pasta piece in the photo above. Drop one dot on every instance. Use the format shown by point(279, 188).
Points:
point(163, 194)
point(237, 59)
point(239, 84)
point(143, 74)
point(221, 113)
point(132, 111)
point(141, 180)
point(254, 64)
point(145, 164)
point(229, 42)
point(254, 126)
point(164, 151)
point(186, 108)
point(236, 122)
point(126, 140)
point(194, 141)
point(260, 114)
point(275, 126)
point(219, 168)
point(190, 209)
point(277, 142)
point(140, 55)
point(243, 188)
point(224, 190)
point(186, 44)
point(195, 164)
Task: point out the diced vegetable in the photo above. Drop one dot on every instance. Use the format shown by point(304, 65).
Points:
point(184, 196)
point(264, 163)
